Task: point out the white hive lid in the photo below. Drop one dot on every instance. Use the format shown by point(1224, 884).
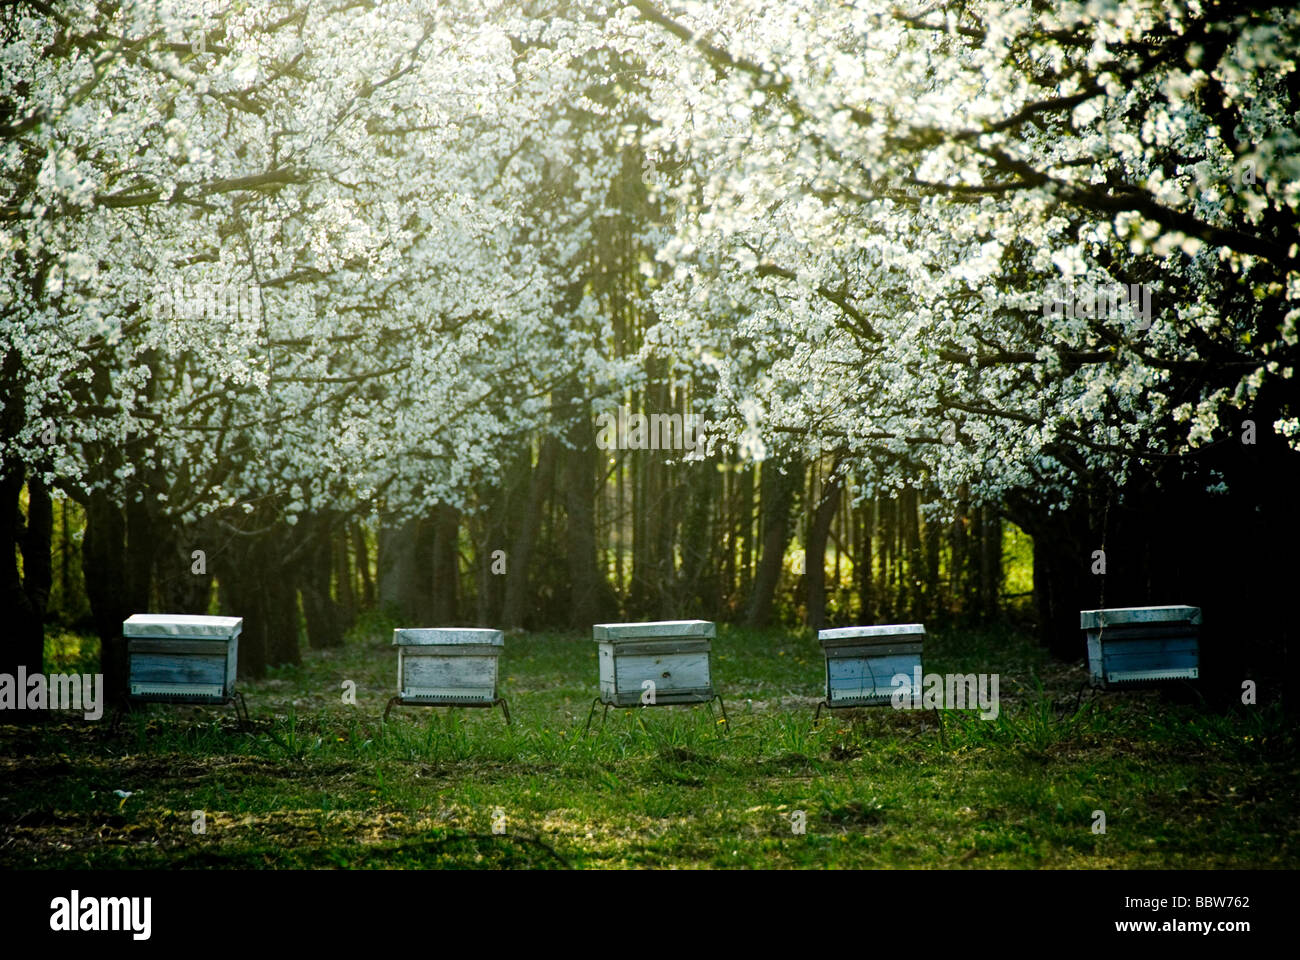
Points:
point(1118, 616)
point(879, 630)
point(182, 626)
point(445, 636)
point(654, 630)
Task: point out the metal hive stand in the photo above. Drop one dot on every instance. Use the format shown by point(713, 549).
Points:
point(399, 701)
point(236, 700)
point(828, 706)
point(726, 724)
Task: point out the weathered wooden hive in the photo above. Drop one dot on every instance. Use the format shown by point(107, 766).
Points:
point(181, 658)
point(447, 665)
point(861, 661)
point(673, 655)
point(1139, 645)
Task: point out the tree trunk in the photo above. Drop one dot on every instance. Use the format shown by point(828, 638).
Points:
point(445, 589)
point(587, 589)
point(991, 563)
point(343, 578)
point(23, 597)
point(931, 541)
point(398, 574)
point(911, 532)
point(240, 594)
point(777, 491)
point(103, 548)
point(178, 587)
point(313, 568)
point(518, 596)
point(363, 566)
point(490, 537)
point(281, 577)
point(862, 564)
point(958, 558)
point(745, 526)
point(815, 550)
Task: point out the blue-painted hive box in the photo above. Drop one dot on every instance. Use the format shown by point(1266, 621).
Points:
point(1138, 645)
point(861, 661)
point(447, 665)
point(673, 655)
point(181, 658)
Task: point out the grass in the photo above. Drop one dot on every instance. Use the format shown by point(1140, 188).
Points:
point(318, 783)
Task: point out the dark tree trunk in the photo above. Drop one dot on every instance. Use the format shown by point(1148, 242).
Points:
point(587, 588)
point(518, 592)
point(1063, 584)
point(745, 526)
point(862, 564)
point(363, 566)
point(258, 583)
point(702, 563)
point(178, 587)
point(959, 554)
point(990, 563)
point(313, 571)
point(931, 540)
point(971, 577)
point(888, 591)
point(491, 536)
point(103, 548)
point(815, 551)
point(445, 592)
point(237, 592)
point(279, 608)
point(36, 542)
point(910, 516)
point(345, 584)
point(65, 561)
point(777, 491)
point(399, 583)
point(23, 597)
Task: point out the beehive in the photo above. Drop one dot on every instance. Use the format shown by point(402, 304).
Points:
point(861, 661)
point(673, 655)
point(447, 665)
point(1138, 645)
point(181, 658)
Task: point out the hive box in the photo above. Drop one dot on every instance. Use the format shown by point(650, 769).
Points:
point(179, 658)
point(447, 665)
point(861, 661)
point(1134, 645)
point(674, 654)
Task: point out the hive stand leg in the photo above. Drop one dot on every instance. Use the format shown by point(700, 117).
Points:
point(591, 713)
point(241, 709)
point(392, 701)
point(1078, 695)
point(505, 708)
point(1192, 687)
point(726, 724)
point(817, 717)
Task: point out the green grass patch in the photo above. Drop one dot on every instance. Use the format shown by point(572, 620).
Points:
point(317, 783)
